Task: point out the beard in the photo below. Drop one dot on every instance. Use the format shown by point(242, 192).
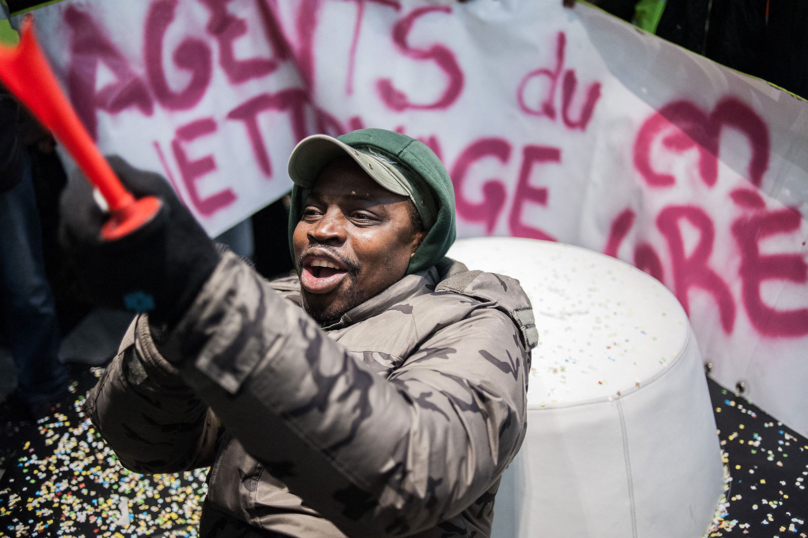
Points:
point(328, 310)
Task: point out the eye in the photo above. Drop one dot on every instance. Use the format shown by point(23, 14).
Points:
point(361, 218)
point(310, 212)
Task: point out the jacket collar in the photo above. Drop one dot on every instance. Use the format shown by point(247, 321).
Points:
point(413, 285)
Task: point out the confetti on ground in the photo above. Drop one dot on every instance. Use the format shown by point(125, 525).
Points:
point(61, 479)
point(768, 464)
point(721, 521)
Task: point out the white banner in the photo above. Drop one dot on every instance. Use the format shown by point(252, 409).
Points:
point(553, 123)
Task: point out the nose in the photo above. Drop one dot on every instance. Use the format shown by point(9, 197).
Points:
point(329, 230)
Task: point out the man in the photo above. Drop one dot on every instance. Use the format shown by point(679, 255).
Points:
point(388, 405)
point(26, 301)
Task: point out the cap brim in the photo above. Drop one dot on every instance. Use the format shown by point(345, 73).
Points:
point(313, 153)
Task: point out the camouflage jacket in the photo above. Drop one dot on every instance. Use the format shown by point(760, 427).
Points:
point(397, 420)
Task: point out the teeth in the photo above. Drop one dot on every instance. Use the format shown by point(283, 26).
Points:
point(323, 263)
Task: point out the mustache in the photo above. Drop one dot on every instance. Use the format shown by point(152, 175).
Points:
point(351, 266)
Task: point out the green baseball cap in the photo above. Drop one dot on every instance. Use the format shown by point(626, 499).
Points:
point(398, 163)
point(313, 153)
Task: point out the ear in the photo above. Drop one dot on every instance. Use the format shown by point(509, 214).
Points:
point(416, 242)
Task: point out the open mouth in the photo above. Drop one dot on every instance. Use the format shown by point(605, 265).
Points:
point(321, 275)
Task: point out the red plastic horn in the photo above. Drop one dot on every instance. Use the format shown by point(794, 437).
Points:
point(26, 73)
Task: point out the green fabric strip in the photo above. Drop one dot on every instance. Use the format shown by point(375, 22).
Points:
point(8, 35)
point(648, 13)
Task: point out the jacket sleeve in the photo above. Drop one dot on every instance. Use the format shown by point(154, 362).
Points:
point(376, 456)
point(152, 420)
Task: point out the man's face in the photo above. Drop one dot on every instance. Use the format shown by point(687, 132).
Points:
point(353, 241)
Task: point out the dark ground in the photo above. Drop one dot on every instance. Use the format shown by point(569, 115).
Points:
point(768, 463)
point(61, 479)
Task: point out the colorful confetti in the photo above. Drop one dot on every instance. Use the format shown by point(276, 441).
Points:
point(766, 496)
point(62, 479)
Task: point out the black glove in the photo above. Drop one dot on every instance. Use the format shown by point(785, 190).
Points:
point(158, 268)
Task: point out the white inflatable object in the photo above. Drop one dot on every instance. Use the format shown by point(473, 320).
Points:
point(621, 439)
